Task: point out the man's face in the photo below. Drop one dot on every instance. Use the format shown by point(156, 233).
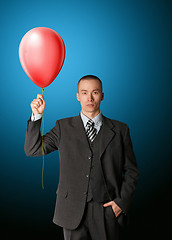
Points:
point(90, 95)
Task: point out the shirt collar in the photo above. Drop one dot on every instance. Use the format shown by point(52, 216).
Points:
point(97, 119)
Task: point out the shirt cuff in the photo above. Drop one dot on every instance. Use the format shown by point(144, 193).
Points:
point(36, 117)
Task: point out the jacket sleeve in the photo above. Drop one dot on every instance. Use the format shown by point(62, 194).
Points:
point(130, 175)
point(33, 139)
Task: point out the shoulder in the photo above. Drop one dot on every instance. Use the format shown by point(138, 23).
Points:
point(68, 120)
point(116, 122)
point(118, 125)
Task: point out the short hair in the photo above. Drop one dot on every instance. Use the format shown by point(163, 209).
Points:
point(90, 77)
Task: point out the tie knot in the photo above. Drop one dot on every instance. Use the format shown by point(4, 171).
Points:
point(90, 123)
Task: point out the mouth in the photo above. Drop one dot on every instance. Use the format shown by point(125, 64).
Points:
point(90, 105)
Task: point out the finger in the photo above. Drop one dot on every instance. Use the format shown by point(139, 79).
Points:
point(40, 96)
point(107, 204)
point(36, 105)
point(35, 100)
point(35, 108)
point(39, 102)
point(41, 99)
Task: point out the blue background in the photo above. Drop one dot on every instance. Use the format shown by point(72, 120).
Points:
point(127, 44)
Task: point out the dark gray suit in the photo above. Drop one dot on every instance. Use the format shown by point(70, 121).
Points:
point(115, 159)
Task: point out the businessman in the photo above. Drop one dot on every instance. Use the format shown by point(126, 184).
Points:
point(98, 169)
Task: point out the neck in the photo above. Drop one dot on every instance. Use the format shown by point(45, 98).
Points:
point(91, 115)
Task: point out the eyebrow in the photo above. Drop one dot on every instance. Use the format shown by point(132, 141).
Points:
point(92, 91)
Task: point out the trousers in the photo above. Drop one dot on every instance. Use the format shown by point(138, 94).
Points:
point(98, 223)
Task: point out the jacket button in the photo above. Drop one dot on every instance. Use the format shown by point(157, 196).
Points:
point(65, 195)
point(89, 158)
point(85, 193)
point(87, 175)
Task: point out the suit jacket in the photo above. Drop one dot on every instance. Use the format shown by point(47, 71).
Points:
point(116, 155)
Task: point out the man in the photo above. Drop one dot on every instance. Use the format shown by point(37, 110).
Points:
point(98, 170)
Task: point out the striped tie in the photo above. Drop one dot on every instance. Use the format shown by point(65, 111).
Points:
point(91, 131)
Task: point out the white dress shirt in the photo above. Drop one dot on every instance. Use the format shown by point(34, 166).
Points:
point(97, 121)
point(36, 117)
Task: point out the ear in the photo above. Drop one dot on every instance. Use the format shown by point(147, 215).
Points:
point(77, 96)
point(102, 96)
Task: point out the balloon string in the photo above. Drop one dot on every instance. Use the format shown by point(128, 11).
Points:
point(42, 148)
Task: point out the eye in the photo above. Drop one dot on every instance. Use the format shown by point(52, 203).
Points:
point(84, 93)
point(95, 92)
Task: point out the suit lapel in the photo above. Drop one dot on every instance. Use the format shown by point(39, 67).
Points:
point(79, 130)
point(107, 133)
point(104, 137)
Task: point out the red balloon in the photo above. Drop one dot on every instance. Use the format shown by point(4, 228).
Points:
point(42, 54)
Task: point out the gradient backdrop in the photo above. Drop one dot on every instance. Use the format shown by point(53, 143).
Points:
point(128, 45)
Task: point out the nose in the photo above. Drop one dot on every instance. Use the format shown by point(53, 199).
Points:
point(90, 97)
